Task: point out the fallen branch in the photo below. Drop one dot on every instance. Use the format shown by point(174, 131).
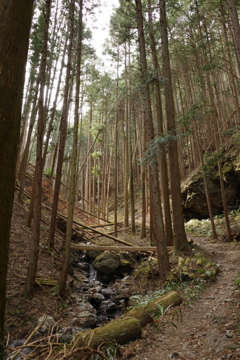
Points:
point(113, 248)
point(96, 231)
point(84, 349)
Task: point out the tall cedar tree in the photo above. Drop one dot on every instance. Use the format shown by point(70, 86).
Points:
point(236, 27)
point(15, 22)
point(63, 128)
point(179, 235)
point(159, 235)
point(63, 277)
point(37, 186)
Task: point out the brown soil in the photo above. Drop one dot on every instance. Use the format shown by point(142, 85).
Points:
point(210, 327)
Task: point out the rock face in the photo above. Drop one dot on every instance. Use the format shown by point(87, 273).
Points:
point(193, 191)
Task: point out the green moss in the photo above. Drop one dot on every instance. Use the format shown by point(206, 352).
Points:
point(227, 167)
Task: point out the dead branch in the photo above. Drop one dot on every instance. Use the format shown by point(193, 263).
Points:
point(113, 248)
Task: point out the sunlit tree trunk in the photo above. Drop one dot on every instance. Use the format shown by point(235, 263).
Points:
point(53, 110)
point(24, 160)
point(37, 200)
point(63, 130)
point(71, 202)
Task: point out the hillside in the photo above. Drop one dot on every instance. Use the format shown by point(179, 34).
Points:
point(206, 326)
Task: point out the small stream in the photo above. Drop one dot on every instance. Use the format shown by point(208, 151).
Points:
point(97, 292)
point(96, 298)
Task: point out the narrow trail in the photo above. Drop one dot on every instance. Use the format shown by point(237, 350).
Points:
point(210, 327)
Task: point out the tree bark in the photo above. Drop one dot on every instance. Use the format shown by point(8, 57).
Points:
point(159, 114)
point(236, 28)
point(15, 22)
point(65, 266)
point(179, 236)
point(63, 132)
point(163, 261)
point(37, 194)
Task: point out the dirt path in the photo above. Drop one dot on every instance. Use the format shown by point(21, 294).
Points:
point(210, 327)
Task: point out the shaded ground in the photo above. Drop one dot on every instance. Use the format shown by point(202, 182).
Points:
point(210, 327)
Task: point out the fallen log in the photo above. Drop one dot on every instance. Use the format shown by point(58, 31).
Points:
point(113, 248)
point(121, 330)
point(146, 313)
point(126, 328)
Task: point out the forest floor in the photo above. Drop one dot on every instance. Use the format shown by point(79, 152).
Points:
point(204, 328)
point(209, 327)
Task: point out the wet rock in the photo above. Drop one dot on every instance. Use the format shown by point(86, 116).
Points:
point(108, 305)
point(17, 343)
point(127, 263)
point(229, 334)
point(87, 319)
point(13, 357)
point(84, 306)
point(83, 266)
point(66, 334)
point(123, 294)
point(47, 325)
point(107, 262)
point(92, 254)
point(107, 292)
point(96, 298)
point(125, 267)
point(81, 276)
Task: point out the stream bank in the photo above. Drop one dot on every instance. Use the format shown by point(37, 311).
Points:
point(209, 327)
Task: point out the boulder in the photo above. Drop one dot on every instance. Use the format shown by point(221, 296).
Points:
point(47, 324)
point(107, 262)
point(193, 190)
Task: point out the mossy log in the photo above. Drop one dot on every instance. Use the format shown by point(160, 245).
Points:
point(126, 328)
point(146, 313)
point(121, 330)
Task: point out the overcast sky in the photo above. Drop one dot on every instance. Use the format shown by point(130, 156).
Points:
point(102, 24)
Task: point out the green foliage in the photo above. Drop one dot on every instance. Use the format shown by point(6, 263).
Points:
point(123, 22)
point(97, 128)
point(111, 351)
point(155, 147)
point(196, 112)
point(193, 292)
point(234, 133)
point(96, 170)
point(97, 154)
point(48, 172)
point(210, 161)
point(237, 281)
point(141, 300)
point(148, 268)
point(36, 37)
point(203, 227)
point(193, 269)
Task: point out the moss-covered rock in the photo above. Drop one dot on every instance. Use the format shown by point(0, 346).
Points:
point(107, 262)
